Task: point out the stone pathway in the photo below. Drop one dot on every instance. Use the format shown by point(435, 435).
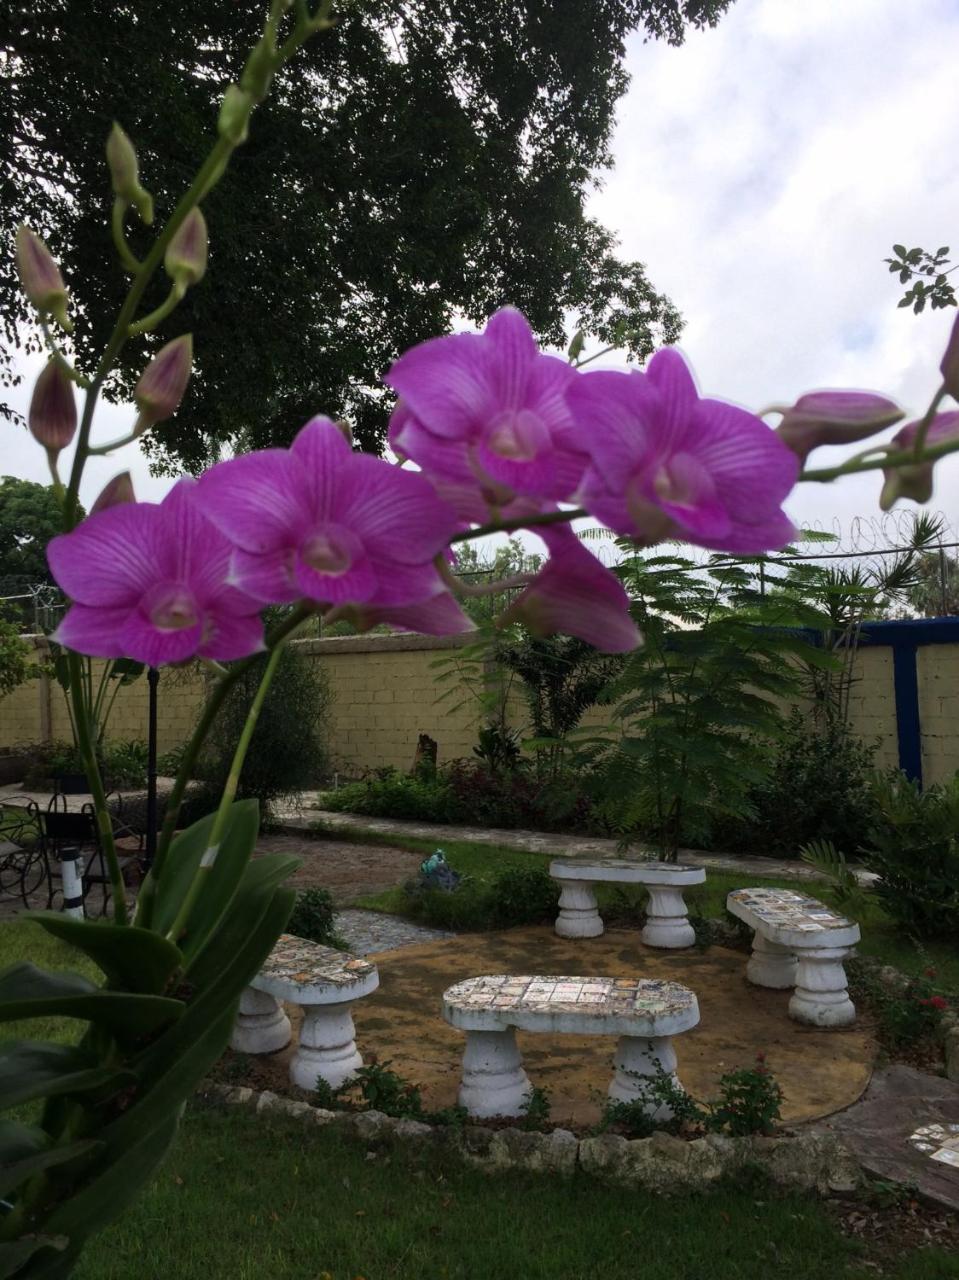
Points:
point(367, 932)
point(559, 846)
point(906, 1129)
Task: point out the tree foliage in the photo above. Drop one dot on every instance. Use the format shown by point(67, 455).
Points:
point(29, 517)
point(421, 162)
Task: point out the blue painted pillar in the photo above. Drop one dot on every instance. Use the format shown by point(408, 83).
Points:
point(906, 684)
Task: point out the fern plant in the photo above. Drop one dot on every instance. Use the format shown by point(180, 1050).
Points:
point(831, 864)
point(696, 707)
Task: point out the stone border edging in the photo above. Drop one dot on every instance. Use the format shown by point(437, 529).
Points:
point(810, 1160)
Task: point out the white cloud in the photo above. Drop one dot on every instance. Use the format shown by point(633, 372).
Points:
point(763, 171)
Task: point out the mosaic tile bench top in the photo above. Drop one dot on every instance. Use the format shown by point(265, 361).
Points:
point(790, 912)
point(633, 870)
point(940, 1142)
point(597, 1006)
point(297, 968)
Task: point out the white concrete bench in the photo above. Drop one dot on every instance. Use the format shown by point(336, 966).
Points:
point(667, 924)
point(644, 1013)
point(799, 942)
point(325, 982)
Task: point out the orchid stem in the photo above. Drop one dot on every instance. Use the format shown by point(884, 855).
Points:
point(150, 322)
point(127, 256)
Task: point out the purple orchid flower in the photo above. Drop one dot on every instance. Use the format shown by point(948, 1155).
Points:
point(320, 522)
point(576, 595)
point(667, 464)
point(489, 412)
point(153, 582)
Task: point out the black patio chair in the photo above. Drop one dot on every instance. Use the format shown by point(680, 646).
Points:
point(22, 866)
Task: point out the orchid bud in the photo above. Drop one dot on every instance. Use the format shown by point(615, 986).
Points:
point(835, 417)
point(117, 491)
point(950, 363)
point(52, 416)
point(914, 480)
point(40, 277)
point(576, 346)
point(162, 383)
point(185, 258)
point(234, 119)
point(125, 173)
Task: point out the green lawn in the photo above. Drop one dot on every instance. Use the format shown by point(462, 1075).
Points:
point(881, 937)
point(243, 1197)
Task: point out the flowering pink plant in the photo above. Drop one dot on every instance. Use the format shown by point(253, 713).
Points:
point(492, 435)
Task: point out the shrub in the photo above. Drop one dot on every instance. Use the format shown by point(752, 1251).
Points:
point(124, 764)
point(521, 896)
point(907, 1012)
point(394, 795)
point(749, 1101)
point(913, 845)
point(818, 789)
point(313, 917)
point(288, 749)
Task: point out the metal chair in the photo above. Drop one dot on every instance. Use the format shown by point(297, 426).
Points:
point(72, 835)
point(22, 866)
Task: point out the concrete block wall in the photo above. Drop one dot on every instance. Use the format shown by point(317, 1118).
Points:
point(387, 691)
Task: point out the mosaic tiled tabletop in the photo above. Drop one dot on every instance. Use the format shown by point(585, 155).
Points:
point(631, 870)
point(297, 968)
point(939, 1142)
point(789, 910)
point(597, 1006)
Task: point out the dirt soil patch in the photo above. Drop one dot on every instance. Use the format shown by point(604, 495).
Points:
point(348, 870)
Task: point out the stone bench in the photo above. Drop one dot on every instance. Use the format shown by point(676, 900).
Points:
point(667, 924)
point(799, 942)
point(325, 983)
point(643, 1013)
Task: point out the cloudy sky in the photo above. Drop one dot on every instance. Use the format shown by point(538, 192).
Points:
point(763, 171)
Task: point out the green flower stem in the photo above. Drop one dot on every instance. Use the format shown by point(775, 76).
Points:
point(926, 423)
point(127, 257)
point(89, 757)
point(150, 322)
point(210, 711)
point(895, 458)
point(528, 522)
point(100, 450)
point(54, 349)
point(226, 800)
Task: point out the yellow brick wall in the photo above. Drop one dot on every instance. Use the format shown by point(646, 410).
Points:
point(387, 691)
point(938, 676)
point(872, 704)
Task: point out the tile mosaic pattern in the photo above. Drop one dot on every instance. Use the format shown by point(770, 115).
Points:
point(603, 997)
point(309, 964)
point(940, 1142)
point(626, 864)
point(790, 909)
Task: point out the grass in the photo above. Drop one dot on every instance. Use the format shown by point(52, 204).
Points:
point(243, 1196)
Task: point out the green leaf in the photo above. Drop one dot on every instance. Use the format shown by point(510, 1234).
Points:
point(259, 881)
point(131, 959)
point(14, 1175)
point(29, 992)
point(126, 670)
point(899, 250)
point(37, 1069)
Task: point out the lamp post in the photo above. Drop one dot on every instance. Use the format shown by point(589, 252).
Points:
point(153, 681)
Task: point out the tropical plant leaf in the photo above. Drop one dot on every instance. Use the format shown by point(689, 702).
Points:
point(131, 959)
point(29, 992)
point(37, 1069)
point(14, 1174)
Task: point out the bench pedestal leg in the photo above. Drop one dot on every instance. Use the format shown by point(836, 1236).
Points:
point(327, 1046)
point(578, 914)
point(494, 1082)
point(638, 1060)
point(261, 1025)
point(667, 924)
point(771, 965)
point(821, 998)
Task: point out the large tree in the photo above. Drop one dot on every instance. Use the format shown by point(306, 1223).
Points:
point(421, 161)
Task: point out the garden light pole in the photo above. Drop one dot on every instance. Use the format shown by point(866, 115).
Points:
point(153, 681)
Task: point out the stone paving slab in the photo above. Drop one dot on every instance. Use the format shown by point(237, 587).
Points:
point(553, 843)
point(366, 932)
point(906, 1129)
